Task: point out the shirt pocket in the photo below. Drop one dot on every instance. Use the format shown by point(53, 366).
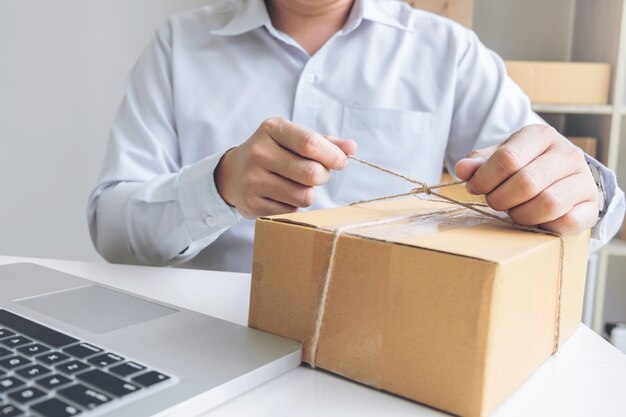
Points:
point(401, 140)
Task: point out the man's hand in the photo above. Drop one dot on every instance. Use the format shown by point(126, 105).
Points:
point(538, 176)
point(276, 169)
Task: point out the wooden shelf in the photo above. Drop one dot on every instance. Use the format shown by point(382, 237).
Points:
point(605, 109)
point(617, 247)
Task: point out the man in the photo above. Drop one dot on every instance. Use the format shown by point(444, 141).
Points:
point(243, 109)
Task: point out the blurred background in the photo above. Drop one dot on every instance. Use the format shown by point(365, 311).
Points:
point(63, 65)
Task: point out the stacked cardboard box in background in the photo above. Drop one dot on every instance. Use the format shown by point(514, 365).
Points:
point(449, 309)
point(462, 11)
point(562, 82)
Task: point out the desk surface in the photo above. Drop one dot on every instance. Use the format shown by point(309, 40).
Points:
point(587, 378)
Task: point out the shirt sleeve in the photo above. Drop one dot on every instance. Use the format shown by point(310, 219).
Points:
point(489, 107)
point(147, 208)
point(611, 221)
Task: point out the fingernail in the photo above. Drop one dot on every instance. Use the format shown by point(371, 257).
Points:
point(477, 158)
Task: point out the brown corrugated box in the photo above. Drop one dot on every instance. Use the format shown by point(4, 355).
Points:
point(458, 192)
point(451, 310)
point(461, 11)
point(562, 82)
point(588, 144)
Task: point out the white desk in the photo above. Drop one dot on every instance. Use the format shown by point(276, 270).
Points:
point(587, 378)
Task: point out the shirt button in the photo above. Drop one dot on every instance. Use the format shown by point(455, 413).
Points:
point(310, 78)
point(210, 221)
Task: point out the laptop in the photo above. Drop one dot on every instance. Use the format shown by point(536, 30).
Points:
point(70, 346)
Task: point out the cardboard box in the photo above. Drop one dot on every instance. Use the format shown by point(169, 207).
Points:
point(562, 82)
point(588, 144)
point(451, 310)
point(459, 192)
point(461, 11)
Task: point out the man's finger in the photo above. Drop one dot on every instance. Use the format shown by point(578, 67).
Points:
point(284, 191)
point(531, 180)
point(514, 154)
point(305, 142)
point(348, 146)
point(466, 167)
point(580, 217)
point(296, 168)
point(554, 202)
point(267, 207)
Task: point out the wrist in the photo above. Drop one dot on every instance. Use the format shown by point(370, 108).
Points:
point(602, 195)
point(222, 177)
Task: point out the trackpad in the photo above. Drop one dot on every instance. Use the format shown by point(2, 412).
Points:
point(96, 309)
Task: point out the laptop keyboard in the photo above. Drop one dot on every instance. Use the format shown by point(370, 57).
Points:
point(46, 373)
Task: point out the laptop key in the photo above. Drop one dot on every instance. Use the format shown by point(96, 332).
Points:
point(51, 382)
point(84, 396)
point(35, 330)
point(72, 367)
point(13, 362)
point(5, 333)
point(4, 352)
point(105, 359)
point(127, 368)
point(55, 408)
point(33, 371)
point(32, 350)
point(15, 341)
point(8, 410)
point(82, 350)
point(26, 395)
point(150, 378)
point(52, 358)
point(107, 383)
point(10, 382)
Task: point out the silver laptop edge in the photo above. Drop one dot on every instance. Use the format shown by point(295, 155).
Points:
point(209, 360)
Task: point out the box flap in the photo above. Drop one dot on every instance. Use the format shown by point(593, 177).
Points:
point(437, 226)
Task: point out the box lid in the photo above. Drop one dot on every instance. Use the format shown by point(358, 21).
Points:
point(425, 224)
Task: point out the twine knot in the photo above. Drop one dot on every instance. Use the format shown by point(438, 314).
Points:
point(422, 190)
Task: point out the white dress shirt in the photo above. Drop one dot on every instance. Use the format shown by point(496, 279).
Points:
point(414, 90)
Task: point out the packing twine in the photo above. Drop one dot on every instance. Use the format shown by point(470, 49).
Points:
point(422, 188)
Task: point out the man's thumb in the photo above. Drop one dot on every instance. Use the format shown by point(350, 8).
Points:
point(467, 166)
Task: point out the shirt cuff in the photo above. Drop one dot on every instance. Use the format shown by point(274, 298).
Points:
point(204, 211)
point(609, 224)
